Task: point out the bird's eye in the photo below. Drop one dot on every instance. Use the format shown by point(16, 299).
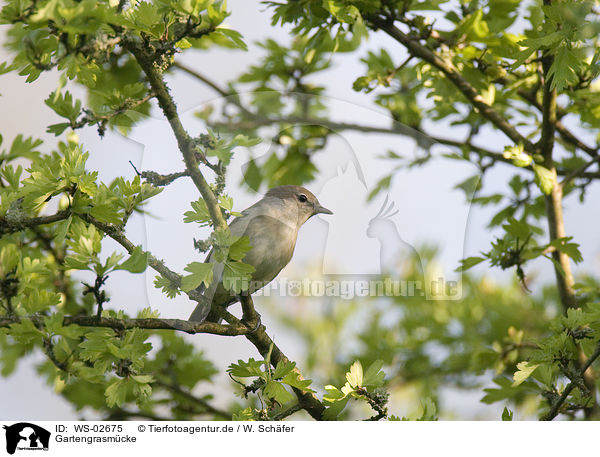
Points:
point(302, 198)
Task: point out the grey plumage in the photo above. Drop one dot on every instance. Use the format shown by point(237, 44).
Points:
point(272, 226)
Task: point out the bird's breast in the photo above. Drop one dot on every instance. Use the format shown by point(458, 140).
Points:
point(273, 244)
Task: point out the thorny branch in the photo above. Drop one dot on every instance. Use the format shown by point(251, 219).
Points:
point(127, 324)
point(556, 406)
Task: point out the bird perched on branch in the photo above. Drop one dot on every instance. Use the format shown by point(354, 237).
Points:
point(271, 225)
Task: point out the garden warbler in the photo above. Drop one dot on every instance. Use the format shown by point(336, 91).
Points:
point(271, 225)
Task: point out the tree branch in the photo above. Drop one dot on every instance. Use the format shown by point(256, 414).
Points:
point(578, 172)
point(287, 412)
point(116, 233)
point(49, 351)
point(184, 141)
point(91, 118)
point(416, 49)
point(564, 132)
point(176, 389)
point(263, 343)
point(425, 140)
point(554, 209)
point(214, 86)
point(10, 223)
point(126, 324)
point(555, 408)
point(258, 120)
point(571, 138)
point(122, 414)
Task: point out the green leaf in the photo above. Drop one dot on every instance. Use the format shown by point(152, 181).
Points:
point(564, 68)
point(24, 147)
point(429, 410)
point(64, 105)
point(226, 202)
point(571, 249)
point(282, 369)
point(374, 376)
point(106, 212)
point(25, 332)
point(61, 230)
point(278, 392)
point(236, 276)
point(355, 375)
point(200, 273)
point(245, 141)
point(77, 262)
point(116, 392)
point(292, 379)
point(58, 129)
point(252, 175)
point(238, 250)
point(146, 15)
point(244, 415)
point(342, 12)
point(507, 414)
point(143, 379)
point(247, 369)
point(469, 185)
point(136, 263)
point(112, 261)
point(544, 178)
point(524, 370)
point(5, 68)
point(234, 38)
point(183, 44)
point(334, 408)
point(469, 262)
point(168, 288)
point(384, 183)
point(518, 229)
point(199, 214)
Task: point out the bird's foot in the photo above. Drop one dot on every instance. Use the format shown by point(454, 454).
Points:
point(257, 324)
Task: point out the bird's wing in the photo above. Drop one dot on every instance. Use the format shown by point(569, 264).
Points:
point(237, 227)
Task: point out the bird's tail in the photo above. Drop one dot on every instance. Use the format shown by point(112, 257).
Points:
point(212, 317)
point(202, 309)
point(200, 313)
point(203, 313)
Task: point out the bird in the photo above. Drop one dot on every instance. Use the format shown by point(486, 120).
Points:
point(272, 226)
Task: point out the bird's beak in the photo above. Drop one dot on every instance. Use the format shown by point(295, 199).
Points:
point(322, 210)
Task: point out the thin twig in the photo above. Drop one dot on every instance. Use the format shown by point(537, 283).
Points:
point(49, 350)
point(287, 412)
point(191, 398)
point(577, 172)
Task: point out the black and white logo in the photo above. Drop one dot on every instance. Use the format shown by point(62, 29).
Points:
point(26, 437)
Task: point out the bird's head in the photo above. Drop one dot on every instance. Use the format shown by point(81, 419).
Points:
point(299, 200)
